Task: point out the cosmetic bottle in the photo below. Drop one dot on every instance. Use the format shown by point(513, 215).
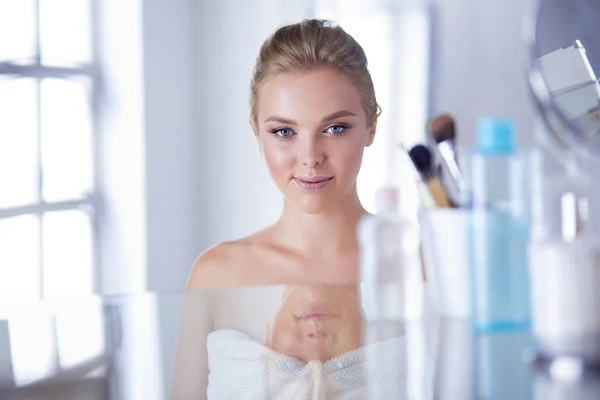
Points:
point(498, 181)
point(565, 272)
point(392, 294)
point(391, 278)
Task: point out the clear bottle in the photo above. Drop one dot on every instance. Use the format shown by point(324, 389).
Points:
point(498, 178)
point(392, 297)
point(391, 277)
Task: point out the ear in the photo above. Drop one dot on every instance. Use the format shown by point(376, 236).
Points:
point(255, 131)
point(371, 134)
point(254, 128)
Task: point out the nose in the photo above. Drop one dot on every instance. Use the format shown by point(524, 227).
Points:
point(316, 336)
point(313, 330)
point(311, 154)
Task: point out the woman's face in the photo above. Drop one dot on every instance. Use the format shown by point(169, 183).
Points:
point(317, 323)
point(312, 130)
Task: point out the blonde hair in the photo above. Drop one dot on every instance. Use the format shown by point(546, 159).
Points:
point(309, 44)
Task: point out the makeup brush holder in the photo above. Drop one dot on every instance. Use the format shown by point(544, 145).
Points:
point(444, 235)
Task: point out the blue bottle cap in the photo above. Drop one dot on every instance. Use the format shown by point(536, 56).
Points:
point(495, 136)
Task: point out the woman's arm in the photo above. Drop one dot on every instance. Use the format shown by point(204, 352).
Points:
point(190, 373)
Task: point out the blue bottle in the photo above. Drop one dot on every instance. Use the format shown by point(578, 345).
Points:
point(497, 176)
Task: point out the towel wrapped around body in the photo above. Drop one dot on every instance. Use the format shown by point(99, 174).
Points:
point(242, 368)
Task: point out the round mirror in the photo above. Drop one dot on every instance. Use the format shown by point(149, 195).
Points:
point(564, 44)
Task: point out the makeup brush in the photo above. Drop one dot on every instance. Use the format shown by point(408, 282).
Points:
point(443, 132)
point(424, 193)
point(421, 158)
point(443, 128)
point(441, 137)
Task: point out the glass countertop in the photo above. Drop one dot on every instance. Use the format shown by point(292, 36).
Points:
point(262, 342)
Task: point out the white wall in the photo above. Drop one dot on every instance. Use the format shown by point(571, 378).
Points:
point(479, 65)
point(146, 145)
point(168, 56)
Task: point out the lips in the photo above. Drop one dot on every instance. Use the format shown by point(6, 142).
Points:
point(313, 183)
point(317, 313)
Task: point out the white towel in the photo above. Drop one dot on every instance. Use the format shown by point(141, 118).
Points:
point(241, 368)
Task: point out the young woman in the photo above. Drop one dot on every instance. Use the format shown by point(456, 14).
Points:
point(313, 111)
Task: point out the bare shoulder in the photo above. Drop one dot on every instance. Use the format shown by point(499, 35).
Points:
point(212, 268)
point(227, 264)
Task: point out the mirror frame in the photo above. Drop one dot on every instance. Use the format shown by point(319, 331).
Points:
point(561, 135)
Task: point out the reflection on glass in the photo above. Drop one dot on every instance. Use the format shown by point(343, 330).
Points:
point(18, 142)
point(311, 348)
point(32, 359)
point(19, 256)
point(500, 359)
point(17, 31)
point(569, 388)
point(67, 253)
point(65, 31)
point(66, 140)
point(316, 323)
point(454, 360)
point(80, 334)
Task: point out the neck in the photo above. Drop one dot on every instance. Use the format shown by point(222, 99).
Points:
point(334, 229)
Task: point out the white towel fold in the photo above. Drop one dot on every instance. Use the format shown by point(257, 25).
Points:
point(241, 368)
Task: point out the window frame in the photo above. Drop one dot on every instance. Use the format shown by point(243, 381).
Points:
point(88, 203)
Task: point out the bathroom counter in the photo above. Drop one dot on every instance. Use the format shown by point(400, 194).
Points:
point(124, 347)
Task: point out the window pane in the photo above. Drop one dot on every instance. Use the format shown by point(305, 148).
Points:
point(65, 31)
point(80, 333)
point(20, 257)
point(66, 140)
point(18, 142)
point(32, 346)
point(17, 30)
point(67, 249)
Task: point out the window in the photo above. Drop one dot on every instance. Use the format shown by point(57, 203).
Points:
point(47, 185)
point(50, 338)
point(397, 41)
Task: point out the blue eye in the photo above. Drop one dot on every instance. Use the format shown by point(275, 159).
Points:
point(336, 129)
point(283, 133)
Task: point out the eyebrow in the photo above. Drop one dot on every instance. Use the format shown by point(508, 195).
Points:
point(343, 113)
point(331, 117)
point(281, 120)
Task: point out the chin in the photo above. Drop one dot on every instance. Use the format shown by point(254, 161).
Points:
point(313, 206)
